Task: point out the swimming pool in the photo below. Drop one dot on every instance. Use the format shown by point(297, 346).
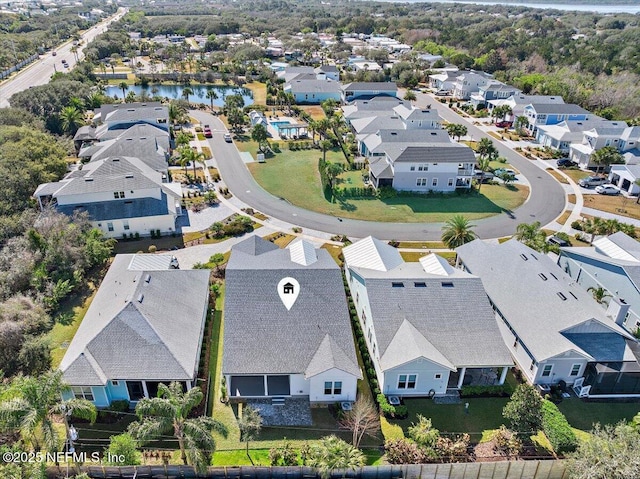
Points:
point(277, 124)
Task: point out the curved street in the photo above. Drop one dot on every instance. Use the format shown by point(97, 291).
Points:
point(545, 203)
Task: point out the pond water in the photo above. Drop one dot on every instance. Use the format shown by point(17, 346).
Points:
point(174, 92)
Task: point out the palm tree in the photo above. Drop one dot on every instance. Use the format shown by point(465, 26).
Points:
point(212, 95)
point(123, 86)
point(527, 231)
point(410, 96)
point(457, 231)
point(606, 156)
point(593, 226)
point(250, 423)
point(325, 145)
point(186, 93)
point(483, 166)
point(71, 119)
point(333, 453)
point(183, 139)
point(599, 294)
point(189, 155)
point(37, 403)
point(486, 149)
point(456, 130)
point(176, 112)
point(169, 413)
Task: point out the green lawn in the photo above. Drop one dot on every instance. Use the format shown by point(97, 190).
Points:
point(582, 415)
point(575, 174)
point(275, 176)
point(260, 457)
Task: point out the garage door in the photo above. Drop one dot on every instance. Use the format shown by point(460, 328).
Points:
point(247, 386)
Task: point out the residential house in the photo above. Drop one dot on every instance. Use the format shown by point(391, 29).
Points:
point(493, 90)
point(554, 328)
point(538, 114)
point(444, 80)
point(329, 72)
point(626, 176)
point(311, 91)
point(377, 106)
point(436, 165)
point(144, 327)
point(518, 102)
point(273, 351)
point(367, 90)
point(622, 137)
point(561, 136)
point(121, 116)
point(121, 195)
point(612, 263)
point(469, 82)
point(428, 327)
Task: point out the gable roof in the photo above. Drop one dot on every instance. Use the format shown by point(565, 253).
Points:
point(370, 86)
point(371, 253)
point(262, 337)
point(143, 325)
point(560, 108)
point(439, 152)
point(534, 295)
point(314, 86)
point(619, 246)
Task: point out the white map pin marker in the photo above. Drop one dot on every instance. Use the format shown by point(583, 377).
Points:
point(288, 289)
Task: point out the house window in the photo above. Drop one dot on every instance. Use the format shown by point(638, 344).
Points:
point(546, 371)
point(332, 388)
point(115, 195)
point(421, 182)
point(450, 182)
point(575, 370)
point(125, 224)
point(115, 383)
point(407, 381)
point(110, 226)
point(357, 297)
point(82, 392)
point(437, 376)
point(364, 317)
point(412, 168)
point(423, 167)
point(369, 335)
point(434, 182)
point(118, 194)
point(374, 349)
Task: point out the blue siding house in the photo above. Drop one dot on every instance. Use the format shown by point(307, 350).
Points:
point(553, 113)
point(368, 90)
point(314, 91)
point(144, 327)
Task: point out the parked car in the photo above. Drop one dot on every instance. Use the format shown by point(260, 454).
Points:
point(592, 181)
point(608, 189)
point(443, 93)
point(558, 241)
point(207, 131)
point(488, 176)
point(566, 163)
point(227, 137)
point(504, 124)
point(500, 171)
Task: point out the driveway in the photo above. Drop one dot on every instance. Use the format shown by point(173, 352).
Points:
point(546, 202)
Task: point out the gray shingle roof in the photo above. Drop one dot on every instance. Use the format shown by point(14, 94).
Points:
point(314, 86)
point(434, 153)
point(139, 329)
point(370, 86)
point(451, 312)
point(559, 108)
point(120, 209)
point(533, 304)
point(132, 112)
point(261, 336)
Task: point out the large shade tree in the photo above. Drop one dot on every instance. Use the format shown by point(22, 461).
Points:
point(169, 413)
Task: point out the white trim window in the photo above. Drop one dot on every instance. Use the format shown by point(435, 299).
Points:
point(546, 370)
point(421, 182)
point(450, 182)
point(82, 392)
point(575, 369)
point(434, 182)
point(407, 381)
point(332, 388)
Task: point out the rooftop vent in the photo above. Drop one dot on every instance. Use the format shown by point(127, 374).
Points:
point(544, 278)
point(147, 278)
point(129, 175)
point(420, 285)
point(562, 296)
point(524, 257)
point(533, 256)
point(140, 298)
point(554, 276)
point(574, 296)
point(394, 133)
point(88, 179)
point(115, 160)
point(397, 285)
point(447, 284)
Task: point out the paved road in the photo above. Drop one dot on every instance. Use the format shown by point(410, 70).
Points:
point(40, 71)
point(544, 205)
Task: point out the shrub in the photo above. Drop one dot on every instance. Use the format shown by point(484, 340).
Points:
point(153, 248)
point(577, 225)
point(120, 405)
point(403, 451)
point(557, 429)
point(124, 447)
point(486, 391)
point(283, 456)
point(507, 442)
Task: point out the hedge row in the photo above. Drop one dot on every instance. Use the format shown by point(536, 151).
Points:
point(557, 428)
point(504, 390)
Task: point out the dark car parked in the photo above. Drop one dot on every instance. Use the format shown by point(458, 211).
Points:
point(504, 124)
point(566, 163)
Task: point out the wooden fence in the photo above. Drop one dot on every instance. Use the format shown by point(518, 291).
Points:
point(553, 469)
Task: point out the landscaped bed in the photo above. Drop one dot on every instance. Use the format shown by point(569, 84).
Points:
point(275, 176)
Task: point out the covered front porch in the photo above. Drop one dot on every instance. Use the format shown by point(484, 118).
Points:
point(477, 377)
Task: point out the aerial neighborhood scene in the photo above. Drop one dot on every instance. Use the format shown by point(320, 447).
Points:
point(313, 239)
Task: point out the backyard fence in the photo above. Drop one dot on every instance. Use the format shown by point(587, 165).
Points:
point(554, 469)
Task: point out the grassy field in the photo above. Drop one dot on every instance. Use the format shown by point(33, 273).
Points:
point(557, 176)
point(583, 415)
point(618, 205)
point(275, 176)
point(259, 91)
point(315, 111)
point(575, 174)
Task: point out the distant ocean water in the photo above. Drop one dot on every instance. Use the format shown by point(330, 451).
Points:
point(633, 9)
